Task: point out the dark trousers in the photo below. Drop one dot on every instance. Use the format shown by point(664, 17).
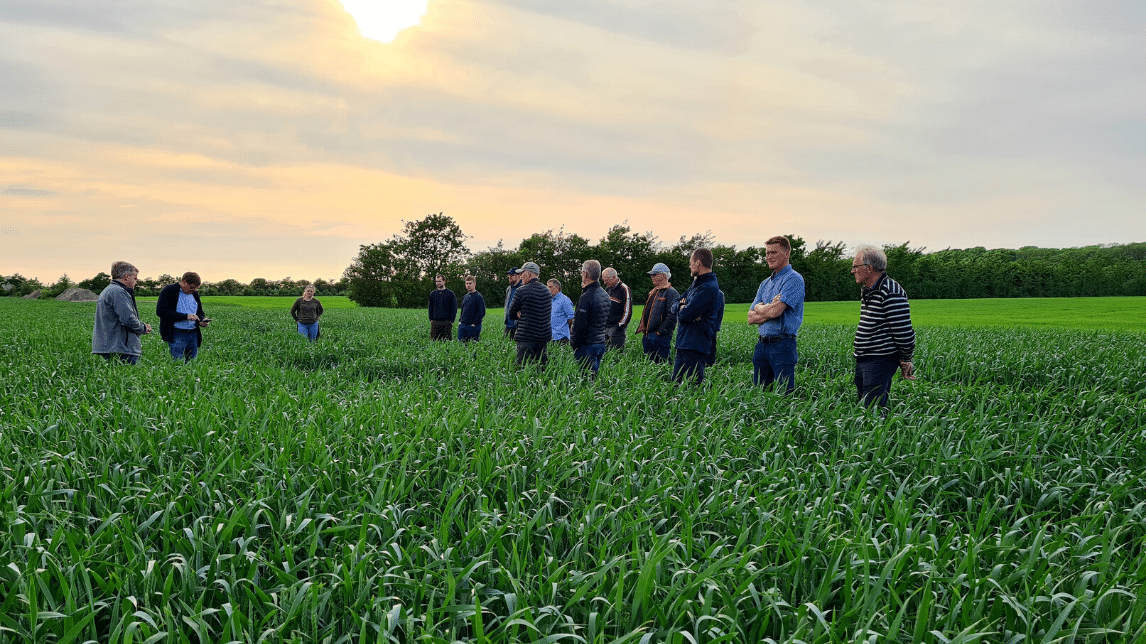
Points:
point(873, 378)
point(441, 330)
point(123, 357)
point(614, 337)
point(689, 364)
point(589, 356)
point(656, 347)
point(468, 332)
point(775, 361)
point(532, 352)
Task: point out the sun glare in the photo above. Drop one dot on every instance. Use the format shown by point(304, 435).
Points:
point(381, 20)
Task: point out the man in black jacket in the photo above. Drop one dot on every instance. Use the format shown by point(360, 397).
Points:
point(181, 317)
point(588, 335)
point(658, 319)
point(443, 308)
point(621, 308)
point(532, 310)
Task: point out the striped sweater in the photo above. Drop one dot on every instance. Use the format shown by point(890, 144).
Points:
point(885, 321)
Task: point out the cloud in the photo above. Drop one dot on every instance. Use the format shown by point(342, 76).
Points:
point(939, 123)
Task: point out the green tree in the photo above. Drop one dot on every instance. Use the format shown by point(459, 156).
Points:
point(632, 254)
point(558, 254)
point(97, 283)
point(400, 272)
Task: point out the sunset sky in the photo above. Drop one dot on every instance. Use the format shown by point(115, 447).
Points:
point(269, 138)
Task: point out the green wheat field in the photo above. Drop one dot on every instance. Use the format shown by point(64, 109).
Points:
point(375, 487)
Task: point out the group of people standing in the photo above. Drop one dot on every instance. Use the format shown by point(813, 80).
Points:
point(118, 331)
point(537, 315)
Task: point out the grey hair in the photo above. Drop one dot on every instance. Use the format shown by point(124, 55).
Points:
point(872, 256)
point(592, 268)
point(121, 269)
point(556, 283)
point(609, 272)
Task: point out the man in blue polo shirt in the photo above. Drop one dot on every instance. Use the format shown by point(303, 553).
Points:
point(779, 311)
point(561, 315)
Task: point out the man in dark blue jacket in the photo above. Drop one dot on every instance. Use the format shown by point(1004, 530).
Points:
point(696, 319)
point(181, 317)
point(473, 312)
point(588, 335)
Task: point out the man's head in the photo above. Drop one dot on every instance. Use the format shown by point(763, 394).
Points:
point(590, 272)
point(609, 277)
point(440, 282)
point(190, 282)
point(513, 275)
point(124, 272)
point(700, 262)
point(530, 271)
point(554, 287)
point(471, 283)
point(660, 275)
point(868, 264)
point(777, 252)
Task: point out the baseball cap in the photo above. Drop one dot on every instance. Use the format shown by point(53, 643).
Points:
point(531, 267)
point(659, 268)
point(513, 271)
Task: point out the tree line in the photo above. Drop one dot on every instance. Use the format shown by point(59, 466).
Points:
point(17, 285)
point(400, 272)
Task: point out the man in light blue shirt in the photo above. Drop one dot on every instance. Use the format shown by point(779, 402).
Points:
point(779, 311)
point(561, 316)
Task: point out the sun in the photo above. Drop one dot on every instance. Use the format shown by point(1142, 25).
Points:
point(381, 20)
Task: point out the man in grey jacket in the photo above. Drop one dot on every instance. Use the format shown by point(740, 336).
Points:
point(118, 329)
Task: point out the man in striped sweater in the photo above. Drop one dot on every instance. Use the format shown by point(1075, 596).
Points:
point(885, 339)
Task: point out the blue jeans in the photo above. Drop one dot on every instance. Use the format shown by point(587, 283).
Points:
point(656, 347)
point(689, 364)
point(589, 355)
point(309, 330)
point(185, 344)
point(775, 361)
point(467, 332)
point(873, 378)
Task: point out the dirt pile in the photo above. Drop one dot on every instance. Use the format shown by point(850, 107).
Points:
point(76, 294)
point(34, 295)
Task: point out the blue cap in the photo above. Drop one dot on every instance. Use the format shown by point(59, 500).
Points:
point(513, 271)
point(659, 268)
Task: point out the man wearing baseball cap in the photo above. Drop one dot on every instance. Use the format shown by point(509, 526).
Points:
point(532, 310)
point(657, 320)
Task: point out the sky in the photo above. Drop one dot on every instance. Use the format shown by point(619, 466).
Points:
point(268, 138)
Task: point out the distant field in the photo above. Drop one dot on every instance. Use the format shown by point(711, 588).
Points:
point(1108, 313)
point(271, 301)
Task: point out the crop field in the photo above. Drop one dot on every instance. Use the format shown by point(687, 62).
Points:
point(375, 487)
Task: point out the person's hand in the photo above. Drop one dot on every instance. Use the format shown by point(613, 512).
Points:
point(907, 369)
point(192, 317)
point(146, 328)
